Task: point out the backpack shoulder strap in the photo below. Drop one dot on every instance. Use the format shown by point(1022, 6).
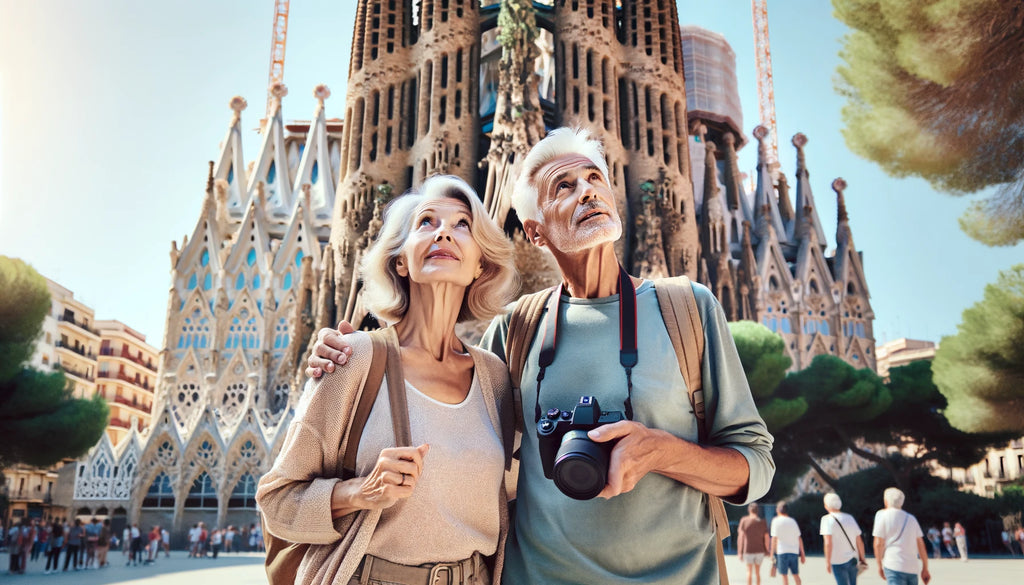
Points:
point(522, 327)
point(367, 396)
point(685, 329)
point(682, 320)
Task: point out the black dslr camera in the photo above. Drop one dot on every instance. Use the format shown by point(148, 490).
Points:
point(578, 465)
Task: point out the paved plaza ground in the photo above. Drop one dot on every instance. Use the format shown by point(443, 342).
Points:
point(247, 569)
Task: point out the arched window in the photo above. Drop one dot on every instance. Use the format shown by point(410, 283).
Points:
point(160, 494)
point(244, 494)
point(202, 494)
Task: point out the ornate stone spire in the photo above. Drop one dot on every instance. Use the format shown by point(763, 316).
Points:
point(766, 209)
point(806, 213)
point(321, 93)
point(843, 234)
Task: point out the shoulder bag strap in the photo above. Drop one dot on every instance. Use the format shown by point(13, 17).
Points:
point(396, 392)
point(367, 396)
point(840, 523)
point(906, 518)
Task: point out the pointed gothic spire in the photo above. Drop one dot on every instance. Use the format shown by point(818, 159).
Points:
point(766, 209)
point(230, 166)
point(806, 212)
point(315, 169)
point(785, 205)
point(713, 216)
point(733, 190)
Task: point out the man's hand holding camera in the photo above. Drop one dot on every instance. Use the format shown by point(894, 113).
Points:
point(641, 450)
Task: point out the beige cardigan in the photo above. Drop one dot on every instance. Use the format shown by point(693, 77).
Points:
point(295, 495)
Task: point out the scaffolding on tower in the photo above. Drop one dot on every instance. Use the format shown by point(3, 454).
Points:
point(277, 47)
point(765, 84)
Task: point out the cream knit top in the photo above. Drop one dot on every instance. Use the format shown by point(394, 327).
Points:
point(453, 512)
point(295, 495)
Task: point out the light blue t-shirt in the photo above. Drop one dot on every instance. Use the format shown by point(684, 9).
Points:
point(661, 531)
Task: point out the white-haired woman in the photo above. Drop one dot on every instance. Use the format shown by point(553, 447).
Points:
point(899, 542)
point(844, 547)
point(437, 508)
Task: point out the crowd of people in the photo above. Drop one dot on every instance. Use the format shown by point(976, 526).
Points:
point(898, 543)
point(86, 545)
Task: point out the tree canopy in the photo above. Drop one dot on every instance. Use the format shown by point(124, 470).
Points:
point(934, 90)
point(40, 421)
point(762, 353)
point(980, 370)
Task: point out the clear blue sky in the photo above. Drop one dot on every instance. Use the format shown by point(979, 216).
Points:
point(110, 110)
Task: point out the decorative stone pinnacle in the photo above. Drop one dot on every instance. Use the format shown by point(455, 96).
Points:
point(321, 93)
point(209, 179)
point(839, 186)
point(237, 104)
point(730, 138)
point(760, 132)
point(799, 140)
point(278, 90)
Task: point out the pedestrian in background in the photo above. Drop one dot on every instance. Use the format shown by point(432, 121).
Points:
point(787, 546)
point(216, 538)
point(103, 544)
point(840, 531)
point(76, 534)
point(56, 545)
point(947, 540)
point(961, 540)
point(752, 542)
point(899, 542)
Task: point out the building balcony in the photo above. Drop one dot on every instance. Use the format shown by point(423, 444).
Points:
point(30, 496)
point(73, 372)
point(116, 422)
point(130, 404)
point(76, 349)
point(141, 382)
point(80, 324)
point(124, 353)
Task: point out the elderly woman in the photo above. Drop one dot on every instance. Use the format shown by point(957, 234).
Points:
point(436, 508)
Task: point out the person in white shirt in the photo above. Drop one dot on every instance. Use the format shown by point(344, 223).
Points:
point(844, 546)
point(787, 547)
point(898, 542)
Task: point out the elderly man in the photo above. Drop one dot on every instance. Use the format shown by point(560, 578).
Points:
point(651, 522)
point(899, 543)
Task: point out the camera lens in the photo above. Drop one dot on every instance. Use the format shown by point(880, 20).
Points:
point(581, 466)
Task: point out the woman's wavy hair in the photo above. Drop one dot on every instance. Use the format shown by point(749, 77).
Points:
point(386, 294)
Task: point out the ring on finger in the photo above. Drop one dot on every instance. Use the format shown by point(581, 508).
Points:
point(403, 479)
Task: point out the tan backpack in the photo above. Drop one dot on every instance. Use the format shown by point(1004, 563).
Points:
point(682, 320)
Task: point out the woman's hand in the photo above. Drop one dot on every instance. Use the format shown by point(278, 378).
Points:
point(393, 478)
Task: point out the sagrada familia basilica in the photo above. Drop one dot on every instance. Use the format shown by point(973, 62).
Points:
point(462, 87)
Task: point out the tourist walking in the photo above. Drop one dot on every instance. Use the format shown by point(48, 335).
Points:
point(92, 537)
point(216, 538)
point(752, 542)
point(103, 544)
point(947, 540)
point(1007, 537)
point(844, 547)
point(76, 534)
point(165, 542)
point(26, 541)
point(899, 543)
point(787, 546)
point(153, 546)
point(56, 545)
point(1019, 534)
point(961, 540)
point(229, 539)
point(137, 544)
point(935, 538)
point(126, 540)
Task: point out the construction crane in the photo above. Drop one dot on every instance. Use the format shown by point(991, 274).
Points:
point(765, 85)
point(277, 45)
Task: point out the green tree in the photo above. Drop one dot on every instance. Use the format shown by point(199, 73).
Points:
point(841, 403)
point(934, 90)
point(980, 370)
point(40, 421)
point(763, 355)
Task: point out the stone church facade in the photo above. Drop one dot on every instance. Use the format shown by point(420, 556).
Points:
point(462, 87)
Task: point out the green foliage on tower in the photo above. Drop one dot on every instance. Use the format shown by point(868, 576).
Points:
point(40, 421)
point(934, 90)
point(980, 370)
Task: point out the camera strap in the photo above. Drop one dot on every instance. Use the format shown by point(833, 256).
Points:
point(628, 354)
